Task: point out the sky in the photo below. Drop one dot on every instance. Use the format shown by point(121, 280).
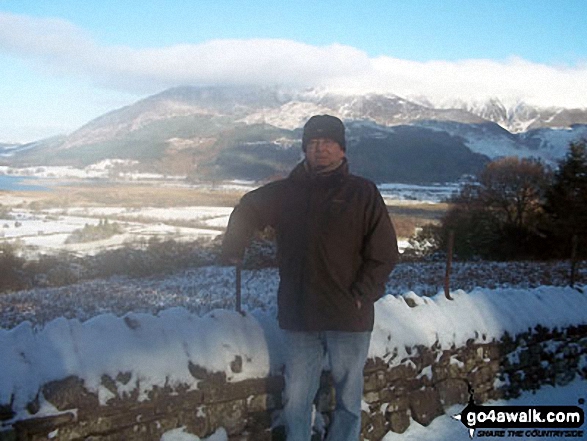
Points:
point(65, 62)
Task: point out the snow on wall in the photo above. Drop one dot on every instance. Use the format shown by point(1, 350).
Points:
point(157, 350)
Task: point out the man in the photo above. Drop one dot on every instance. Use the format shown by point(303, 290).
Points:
point(336, 247)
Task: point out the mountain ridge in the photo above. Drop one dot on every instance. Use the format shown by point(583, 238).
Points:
point(211, 132)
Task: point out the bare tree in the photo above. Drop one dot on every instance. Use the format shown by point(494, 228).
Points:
point(514, 188)
point(497, 216)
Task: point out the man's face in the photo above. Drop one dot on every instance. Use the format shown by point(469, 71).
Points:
point(323, 152)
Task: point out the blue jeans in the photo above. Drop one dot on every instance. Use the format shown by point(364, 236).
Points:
point(306, 352)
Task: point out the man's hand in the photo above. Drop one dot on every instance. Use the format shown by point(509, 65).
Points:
point(358, 303)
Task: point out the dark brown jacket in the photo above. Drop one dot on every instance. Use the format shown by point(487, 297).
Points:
point(335, 244)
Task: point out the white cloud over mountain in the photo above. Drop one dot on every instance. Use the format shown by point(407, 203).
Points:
point(58, 47)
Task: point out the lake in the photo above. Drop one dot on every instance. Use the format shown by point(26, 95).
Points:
point(19, 183)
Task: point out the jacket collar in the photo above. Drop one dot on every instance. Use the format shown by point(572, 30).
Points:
point(303, 172)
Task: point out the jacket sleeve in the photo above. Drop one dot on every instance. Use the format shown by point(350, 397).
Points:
point(379, 252)
point(256, 210)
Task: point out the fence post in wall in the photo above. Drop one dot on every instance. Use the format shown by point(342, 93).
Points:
point(574, 246)
point(449, 251)
point(238, 288)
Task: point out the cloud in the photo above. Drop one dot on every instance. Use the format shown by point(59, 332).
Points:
point(60, 48)
point(241, 62)
point(510, 80)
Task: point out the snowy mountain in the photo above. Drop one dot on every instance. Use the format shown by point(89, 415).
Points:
point(519, 117)
point(212, 133)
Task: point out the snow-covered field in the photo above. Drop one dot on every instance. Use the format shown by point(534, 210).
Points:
point(201, 290)
point(418, 193)
point(105, 170)
point(46, 231)
point(101, 170)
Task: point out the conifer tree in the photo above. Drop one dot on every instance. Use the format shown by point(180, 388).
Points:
point(566, 201)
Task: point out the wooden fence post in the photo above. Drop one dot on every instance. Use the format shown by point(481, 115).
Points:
point(574, 246)
point(238, 288)
point(451, 242)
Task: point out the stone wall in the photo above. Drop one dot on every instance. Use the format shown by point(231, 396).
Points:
point(419, 387)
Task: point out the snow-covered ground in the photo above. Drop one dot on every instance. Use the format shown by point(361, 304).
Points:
point(47, 230)
point(418, 193)
point(211, 216)
point(157, 348)
point(101, 170)
point(106, 326)
point(200, 290)
point(153, 327)
point(445, 428)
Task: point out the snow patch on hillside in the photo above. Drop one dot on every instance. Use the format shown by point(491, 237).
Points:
point(554, 144)
point(289, 116)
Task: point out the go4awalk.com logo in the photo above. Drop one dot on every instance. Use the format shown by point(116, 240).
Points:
point(523, 421)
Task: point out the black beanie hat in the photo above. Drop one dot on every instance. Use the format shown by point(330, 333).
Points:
point(324, 126)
